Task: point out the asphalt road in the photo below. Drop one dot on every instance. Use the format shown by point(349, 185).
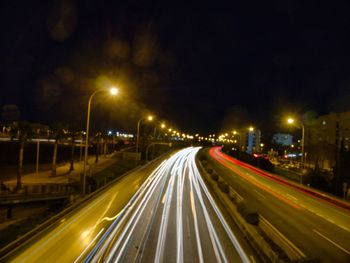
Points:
point(75, 233)
point(319, 229)
point(171, 217)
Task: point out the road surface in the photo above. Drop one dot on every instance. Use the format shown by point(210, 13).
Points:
point(171, 218)
point(318, 228)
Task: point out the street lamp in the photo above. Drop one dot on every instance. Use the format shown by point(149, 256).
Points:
point(290, 121)
point(149, 118)
point(113, 92)
point(301, 125)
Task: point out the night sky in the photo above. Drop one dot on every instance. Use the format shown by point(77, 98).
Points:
point(204, 67)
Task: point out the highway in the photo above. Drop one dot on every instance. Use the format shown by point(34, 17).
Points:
point(318, 228)
point(170, 217)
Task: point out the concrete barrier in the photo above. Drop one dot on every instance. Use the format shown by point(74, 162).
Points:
point(292, 251)
point(251, 232)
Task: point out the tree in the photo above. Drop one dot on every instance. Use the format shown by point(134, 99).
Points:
point(59, 131)
point(10, 113)
point(97, 140)
point(318, 179)
point(341, 170)
point(22, 130)
point(73, 132)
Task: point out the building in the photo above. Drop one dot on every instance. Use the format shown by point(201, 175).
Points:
point(324, 136)
point(251, 141)
point(282, 139)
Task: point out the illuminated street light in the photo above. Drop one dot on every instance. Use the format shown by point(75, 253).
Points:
point(162, 125)
point(234, 132)
point(251, 128)
point(290, 120)
point(301, 125)
point(149, 118)
point(113, 91)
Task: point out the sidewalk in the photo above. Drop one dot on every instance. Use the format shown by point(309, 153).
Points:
point(63, 175)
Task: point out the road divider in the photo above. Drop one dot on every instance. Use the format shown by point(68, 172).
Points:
point(270, 244)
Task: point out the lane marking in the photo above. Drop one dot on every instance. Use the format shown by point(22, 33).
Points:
point(291, 196)
point(163, 200)
point(88, 246)
point(331, 241)
point(260, 194)
point(188, 227)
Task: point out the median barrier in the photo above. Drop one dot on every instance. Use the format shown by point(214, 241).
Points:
point(251, 234)
point(252, 224)
point(293, 253)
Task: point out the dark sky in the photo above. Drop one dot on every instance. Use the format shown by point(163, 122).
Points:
point(204, 67)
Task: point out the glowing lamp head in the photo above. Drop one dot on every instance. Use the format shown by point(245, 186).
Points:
point(162, 125)
point(113, 91)
point(251, 129)
point(290, 120)
point(150, 118)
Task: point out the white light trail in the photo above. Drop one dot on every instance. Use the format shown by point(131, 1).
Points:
point(164, 191)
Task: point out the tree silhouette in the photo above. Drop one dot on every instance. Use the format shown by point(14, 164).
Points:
point(59, 131)
point(21, 130)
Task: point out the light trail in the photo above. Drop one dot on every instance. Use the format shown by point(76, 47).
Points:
point(228, 161)
point(145, 228)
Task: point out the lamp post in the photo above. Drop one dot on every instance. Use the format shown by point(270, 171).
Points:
point(292, 121)
point(113, 91)
point(149, 118)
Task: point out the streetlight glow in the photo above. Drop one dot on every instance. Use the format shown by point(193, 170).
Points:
point(150, 118)
point(251, 129)
point(113, 91)
point(162, 125)
point(290, 120)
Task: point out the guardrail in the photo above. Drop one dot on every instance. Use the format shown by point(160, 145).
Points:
point(20, 199)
